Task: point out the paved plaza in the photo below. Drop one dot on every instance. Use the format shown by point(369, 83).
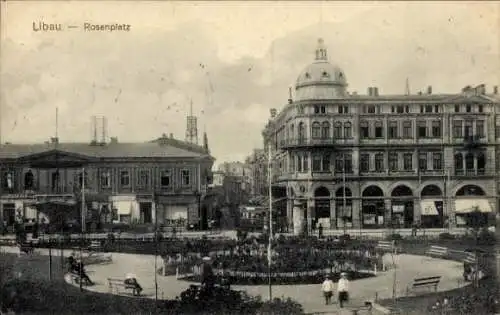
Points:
point(408, 268)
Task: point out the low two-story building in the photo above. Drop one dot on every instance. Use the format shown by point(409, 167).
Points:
point(161, 181)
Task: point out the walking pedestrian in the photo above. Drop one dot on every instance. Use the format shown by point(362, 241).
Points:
point(327, 288)
point(343, 289)
point(320, 231)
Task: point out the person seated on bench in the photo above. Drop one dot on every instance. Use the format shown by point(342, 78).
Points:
point(79, 270)
point(467, 270)
point(131, 280)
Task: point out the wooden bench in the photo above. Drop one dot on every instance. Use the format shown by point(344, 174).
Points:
point(367, 306)
point(386, 246)
point(426, 282)
point(470, 258)
point(120, 283)
point(26, 248)
point(95, 246)
point(437, 251)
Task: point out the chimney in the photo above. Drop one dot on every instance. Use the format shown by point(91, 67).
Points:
point(355, 93)
point(171, 135)
point(375, 91)
point(481, 89)
point(54, 140)
point(290, 100)
point(419, 92)
point(429, 89)
point(370, 91)
point(495, 89)
point(273, 112)
point(113, 140)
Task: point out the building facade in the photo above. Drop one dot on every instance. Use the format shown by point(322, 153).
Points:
point(258, 163)
point(162, 181)
point(371, 161)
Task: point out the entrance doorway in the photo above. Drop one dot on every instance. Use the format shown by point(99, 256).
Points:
point(146, 212)
point(373, 207)
point(402, 207)
point(431, 207)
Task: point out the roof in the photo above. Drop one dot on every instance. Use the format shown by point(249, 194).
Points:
point(111, 150)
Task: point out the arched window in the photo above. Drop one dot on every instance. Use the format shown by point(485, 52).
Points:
point(469, 161)
point(337, 131)
point(326, 162)
point(292, 131)
point(301, 131)
point(325, 130)
point(347, 130)
point(459, 162)
point(364, 129)
point(316, 130)
point(481, 163)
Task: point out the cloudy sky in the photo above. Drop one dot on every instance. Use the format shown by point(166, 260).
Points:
point(235, 61)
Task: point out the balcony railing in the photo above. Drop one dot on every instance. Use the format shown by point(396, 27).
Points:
point(306, 142)
point(472, 142)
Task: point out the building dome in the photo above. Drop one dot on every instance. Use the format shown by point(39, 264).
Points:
point(321, 79)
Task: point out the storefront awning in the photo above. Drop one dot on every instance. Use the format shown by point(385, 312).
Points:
point(428, 207)
point(123, 207)
point(470, 205)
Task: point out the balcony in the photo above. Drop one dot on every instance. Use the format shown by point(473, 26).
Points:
point(306, 142)
point(475, 172)
point(472, 142)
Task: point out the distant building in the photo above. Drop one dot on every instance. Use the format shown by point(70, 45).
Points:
point(258, 163)
point(123, 182)
point(372, 161)
point(240, 170)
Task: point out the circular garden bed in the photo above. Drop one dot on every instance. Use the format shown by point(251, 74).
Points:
point(292, 263)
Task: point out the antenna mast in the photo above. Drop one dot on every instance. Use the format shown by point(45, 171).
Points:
point(191, 126)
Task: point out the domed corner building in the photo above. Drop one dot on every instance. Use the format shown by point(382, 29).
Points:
point(376, 161)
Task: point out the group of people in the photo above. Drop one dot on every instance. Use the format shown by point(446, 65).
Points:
point(77, 268)
point(328, 288)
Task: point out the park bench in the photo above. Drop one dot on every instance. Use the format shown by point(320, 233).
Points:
point(470, 258)
point(26, 248)
point(386, 246)
point(120, 283)
point(425, 282)
point(356, 309)
point(95, 246)
point(437, 251)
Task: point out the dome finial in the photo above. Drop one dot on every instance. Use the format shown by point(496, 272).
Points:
point(321, 52)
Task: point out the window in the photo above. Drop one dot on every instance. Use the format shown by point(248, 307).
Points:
point(457, 108)
point(422, 129)
point(316, 163)
point(469, 161)
point(364, 129)
point(370, 109)
point(422, 161)
point(436, 129)
point(480, 128)
point(316, 109)
point(393, 109)
point(143, 178)
point(305, 161)
point(165, 180)
point(316, 130)
point(480, 108)
point(468, 108)
point(83, 176)
point(347, 130)
point(292, 131)
point(459, 161)
point(379, 130)
point(407, 109)
point(105, 179)
point(337, 130)
point(339, 163)
point(457, 129)
point(365, 162)
point(124, 179)
point(379, 162)
point(393, 161)
point(437, 161)
point(326, 162)
point(400, 109)
point(292, 163)
point(185, 178)
point(323, 109)
point(421, 108)
point(301, 132)
point(325, 130)
point(428, 108)
point(468, 128)
point(348, 163)
point(407, 132)
point(436, 108)
point(300, 163)
point(407, 161)
point(343, 109)
point(393, 129)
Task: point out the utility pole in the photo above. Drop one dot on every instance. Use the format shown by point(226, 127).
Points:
point(156, 235)
point(269, 248)
point(344, 201)
point(83, 227)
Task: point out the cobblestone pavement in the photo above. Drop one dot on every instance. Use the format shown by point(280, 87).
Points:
point(408, 268)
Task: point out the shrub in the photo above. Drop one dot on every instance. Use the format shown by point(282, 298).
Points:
point(446, 236)
point(280, 306)
point(394, 237)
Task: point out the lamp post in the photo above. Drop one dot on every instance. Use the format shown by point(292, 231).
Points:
point(83, 227)
point(269, 249)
